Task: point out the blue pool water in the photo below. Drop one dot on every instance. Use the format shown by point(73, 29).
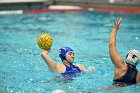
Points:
point(22, 70)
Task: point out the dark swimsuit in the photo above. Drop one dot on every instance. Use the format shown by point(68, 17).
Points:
point(71, 72)
point(128, 78)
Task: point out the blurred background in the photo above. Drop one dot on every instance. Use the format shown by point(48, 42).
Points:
point(131, 6)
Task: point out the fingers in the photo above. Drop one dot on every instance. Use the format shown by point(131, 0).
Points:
point(117, 23)
point(119, 20)
point(48, 50)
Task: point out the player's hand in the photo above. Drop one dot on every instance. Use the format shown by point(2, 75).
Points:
point(117, 23)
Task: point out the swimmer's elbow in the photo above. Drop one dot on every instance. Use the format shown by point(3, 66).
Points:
point(111, 45)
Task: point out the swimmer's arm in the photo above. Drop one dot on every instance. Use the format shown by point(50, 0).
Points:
point(89, 70)
point(115, 56)
point(138, 77)
point(81, 67)
point(54, 66)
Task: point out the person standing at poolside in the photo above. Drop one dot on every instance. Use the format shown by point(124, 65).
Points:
point(124, 74)
point(66, 68)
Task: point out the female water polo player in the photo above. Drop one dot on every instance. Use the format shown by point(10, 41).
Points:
point(67, 69)
point(124, 74)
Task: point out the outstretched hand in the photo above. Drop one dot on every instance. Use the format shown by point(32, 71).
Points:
point(117, 23)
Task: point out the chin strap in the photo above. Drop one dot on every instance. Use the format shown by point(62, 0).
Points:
point(69, 62)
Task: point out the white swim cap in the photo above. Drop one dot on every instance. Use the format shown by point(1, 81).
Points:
point(133, 57)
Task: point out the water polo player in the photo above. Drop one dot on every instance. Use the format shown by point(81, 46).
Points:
point(67, 69)
point(124, 74)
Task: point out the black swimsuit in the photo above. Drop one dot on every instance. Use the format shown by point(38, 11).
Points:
point(128, 78)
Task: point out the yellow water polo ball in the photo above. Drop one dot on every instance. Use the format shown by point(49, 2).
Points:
point(45, 41)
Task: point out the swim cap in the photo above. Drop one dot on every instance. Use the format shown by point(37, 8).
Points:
point(63, 51)
point(133, 57)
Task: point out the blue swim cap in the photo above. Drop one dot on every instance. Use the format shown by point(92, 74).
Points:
point(63, 51)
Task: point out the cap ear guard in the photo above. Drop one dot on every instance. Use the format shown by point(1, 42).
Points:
point(62, 54)
point(62, 57)
point(133, 57)
point(63, 51)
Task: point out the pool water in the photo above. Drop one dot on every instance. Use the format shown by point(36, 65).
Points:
point(22, 70)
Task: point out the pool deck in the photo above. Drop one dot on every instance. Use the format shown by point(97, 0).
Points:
point(132, 6)
point(24, 4)
point(21, 1)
